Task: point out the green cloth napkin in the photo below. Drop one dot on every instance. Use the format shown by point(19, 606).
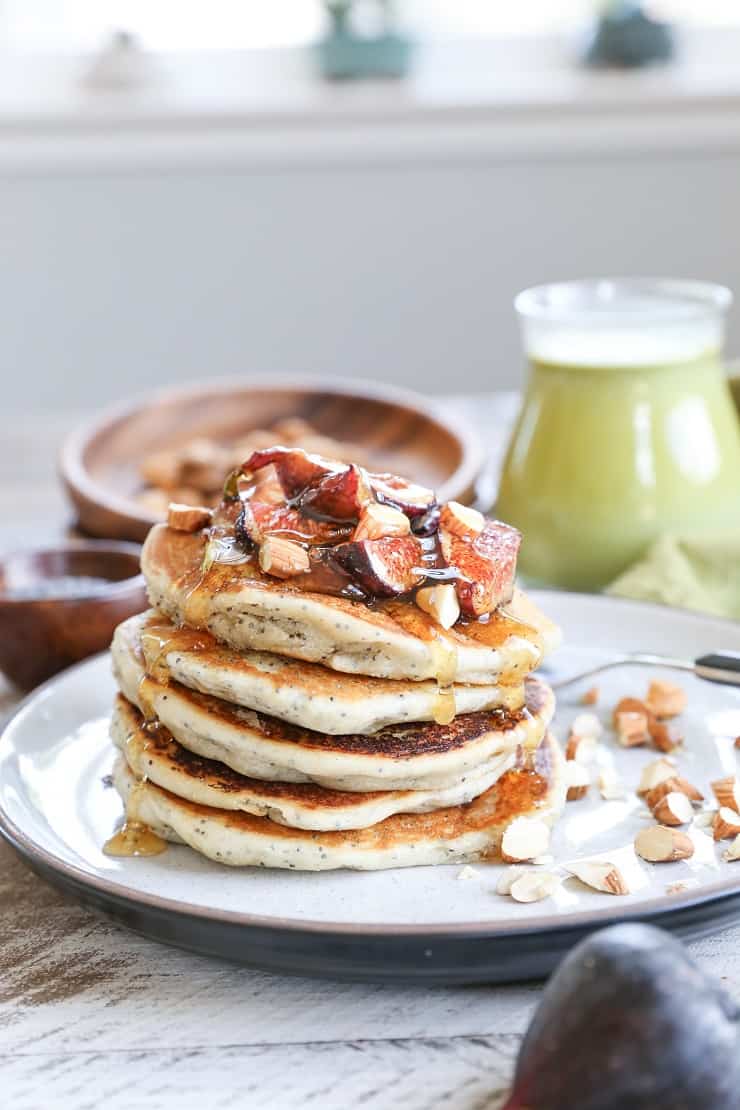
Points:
point(701, 574)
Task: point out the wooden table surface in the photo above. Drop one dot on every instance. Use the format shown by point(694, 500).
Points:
point(93, 1016)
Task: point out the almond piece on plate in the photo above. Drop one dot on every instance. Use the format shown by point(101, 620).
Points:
point(509, 877)
point(377, 521)
point(282, 558)
point(658, 844)
point(654, 773)
point(587, 725)
point(726, 823)
point(674, 808)
point(440, 602)
point(733, 852)
point(581, 748)
point(664, 737)
point(737, 741)
point(632, 729)
point(601, 875)
point(468, 873)
point(727, 792)
point(629, 705)
point(461, 520)
point(676, 782)
point(611, 786)
point(665, 699)
point(523, 839)
point(591, 696)
point(187, 518)
point(533, 886)
point(577, 780)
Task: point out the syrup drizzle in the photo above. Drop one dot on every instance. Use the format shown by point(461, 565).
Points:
point(134, 839)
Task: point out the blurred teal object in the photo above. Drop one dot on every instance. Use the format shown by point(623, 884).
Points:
point(628, 37)
point(346, 55)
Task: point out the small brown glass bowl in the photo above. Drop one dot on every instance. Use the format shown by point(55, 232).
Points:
point(45, 624)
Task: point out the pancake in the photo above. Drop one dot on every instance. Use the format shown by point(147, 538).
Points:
point(400, 757)
point(304, 694)
point(155, 755)
point(250, 611)
point(458, 834)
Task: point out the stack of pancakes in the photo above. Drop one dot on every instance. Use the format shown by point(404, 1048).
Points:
point(266, 724)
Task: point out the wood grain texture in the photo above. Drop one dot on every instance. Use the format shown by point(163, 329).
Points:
point(93, 1016)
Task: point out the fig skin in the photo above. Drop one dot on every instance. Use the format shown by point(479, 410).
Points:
point(486, 565)
point(338, 497)
point(258, 520)
point(629, 1022)
point(382, 568)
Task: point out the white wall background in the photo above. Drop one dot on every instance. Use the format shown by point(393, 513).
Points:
point(114, 280)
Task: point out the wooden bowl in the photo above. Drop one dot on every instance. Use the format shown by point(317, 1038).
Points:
point(42, 628)
point(397, 431)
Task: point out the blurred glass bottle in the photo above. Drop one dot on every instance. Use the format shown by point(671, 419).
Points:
point(627, 429)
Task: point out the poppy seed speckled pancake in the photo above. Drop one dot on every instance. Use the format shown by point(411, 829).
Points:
point(248, 610)
point(152, 753)
point(304, 694)
point(400, 757)
point(457, 834)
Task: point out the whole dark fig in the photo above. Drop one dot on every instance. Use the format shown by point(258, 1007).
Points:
point(629, 1022)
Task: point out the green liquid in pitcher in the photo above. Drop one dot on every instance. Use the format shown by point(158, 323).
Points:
point(606, 458)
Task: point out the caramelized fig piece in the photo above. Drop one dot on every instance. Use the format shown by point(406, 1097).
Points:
point(338, 497)
point(628, 1020)
point(486, 564)
point(382, 568)
point(412, 500)
point(258, 520)
point(296, 470)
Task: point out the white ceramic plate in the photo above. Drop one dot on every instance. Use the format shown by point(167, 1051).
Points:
point(57, 810)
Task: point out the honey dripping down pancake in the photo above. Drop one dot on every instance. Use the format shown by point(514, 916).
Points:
point(410, 755)
point(155, 756)
point(304, 694)
point(332, 653)
point(457, 834)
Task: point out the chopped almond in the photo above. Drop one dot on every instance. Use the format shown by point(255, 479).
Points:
point(733, 852)
point(665, 699)
point(509, 877)
point(377, 521)
point(659, 844)
point(632, 729)
point(665, 738)
point(282, 558)
point(737, 741)
point(577, 780)
point(654, 773)
point(591, 696)
point(629, 705)
point(187, 518)
point(587, 725)
point(525, 839)
point(581, 748)
point(611, 786)
point(533, 886)
point(461, 520)
point(440, 602)
point(674, 808)
point(726, 823)
point(666, 786)
point(727, 792)
point(601, 875)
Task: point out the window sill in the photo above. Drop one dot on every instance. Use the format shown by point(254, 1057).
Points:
point(464, 102)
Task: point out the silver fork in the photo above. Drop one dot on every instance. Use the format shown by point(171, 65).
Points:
point(720, 666)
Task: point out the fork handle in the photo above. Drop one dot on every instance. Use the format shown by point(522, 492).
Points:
point(719, 667)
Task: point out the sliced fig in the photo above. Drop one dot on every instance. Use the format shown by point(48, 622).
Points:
point(296, 470)
point(382, 568)
point(486, 565)
point(629, 1021)
point(259, 519)
point(411, 499)
point(338, 497)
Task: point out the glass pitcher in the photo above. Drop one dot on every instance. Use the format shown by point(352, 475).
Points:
point(627, 430)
